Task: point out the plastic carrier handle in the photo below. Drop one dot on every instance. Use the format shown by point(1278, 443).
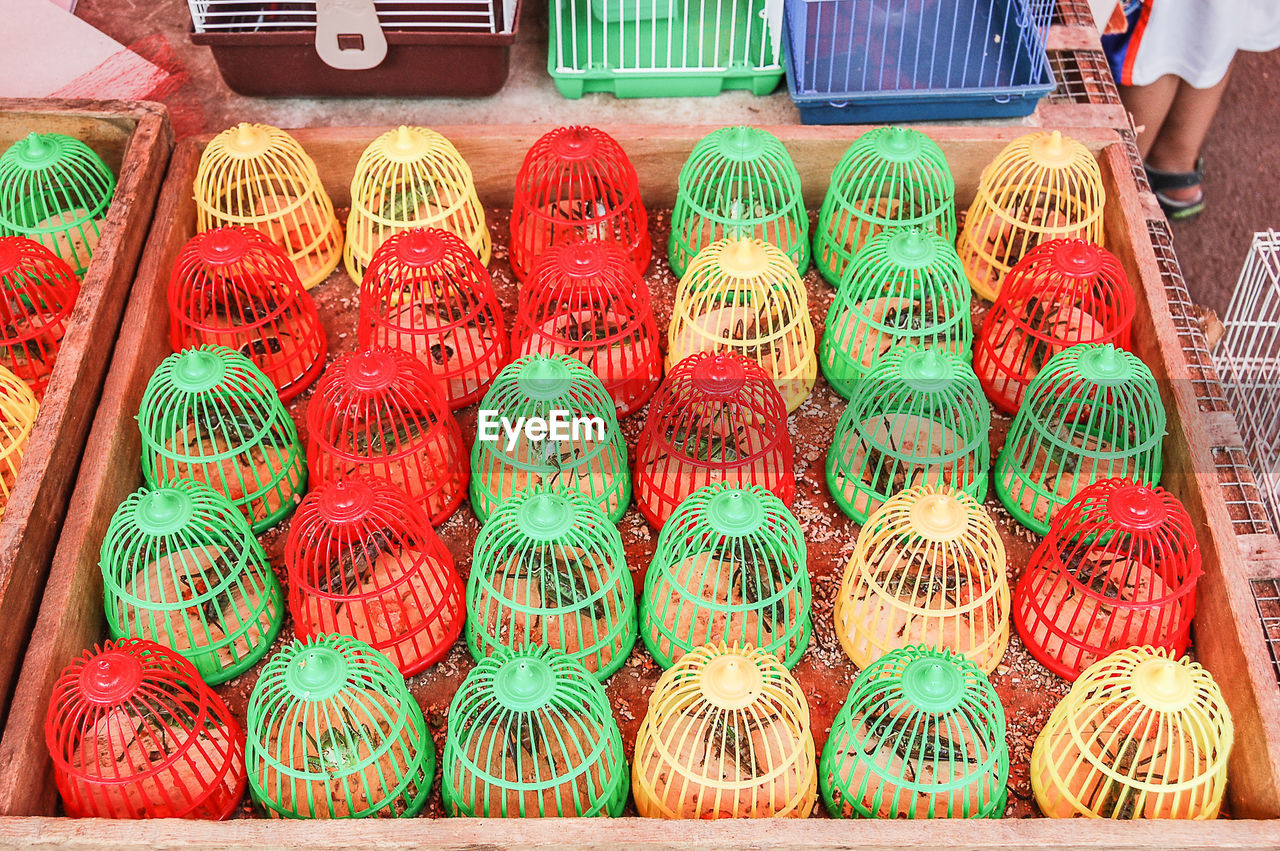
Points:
point(348, 35)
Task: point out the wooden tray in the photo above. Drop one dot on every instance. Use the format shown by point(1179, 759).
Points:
point(134, 139)
point(1227, 638)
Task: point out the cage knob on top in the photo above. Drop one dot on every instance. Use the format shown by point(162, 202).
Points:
point(18, 411)
point(716, 418)
point(380, 412)
point(922, 735)
point(427, 293)
point(586, 300)
point(333, 732)
point(744, 296)
point(1042, 186)
point(730, 565)
point(411, 177)
point(928, 569)
point(236, 288)
point(575, 184)
point(1140, 735)
point(548, 570)
point(364, 561)
point(210, 415)
point(180, 566)
point(40, 292)
point(917, 418)
point(738, 182)
point(55, 191)
point(904, 287)
point(258, 176)
point(890, 177)
point(726, 735)
point(135, 733)
point(582, 447)
point(531, 734)
point(1063, 292)
point(1118, 569)
point(1092, 413)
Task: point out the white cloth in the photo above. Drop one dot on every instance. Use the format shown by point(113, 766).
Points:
point(1196, 39)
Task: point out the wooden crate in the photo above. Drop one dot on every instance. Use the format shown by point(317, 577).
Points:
point(1227, 637)
point(134, 139)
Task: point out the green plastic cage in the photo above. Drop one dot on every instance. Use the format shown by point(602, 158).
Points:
point(738, 182)
point(1093, 412)
point(918, 418)
point(333, 732)
point(890, 177)
point(731, 566)
point(922, 735)
point(548, 570)
point(55, 190)
point(209, 415)
point(531, 734)
point(905, 286)
point(181, 567)
point(570, 437)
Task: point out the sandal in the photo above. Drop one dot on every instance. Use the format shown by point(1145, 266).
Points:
point(1176, 209)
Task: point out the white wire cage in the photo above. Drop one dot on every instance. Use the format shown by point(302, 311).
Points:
point(241, 16)
point(1248, 362)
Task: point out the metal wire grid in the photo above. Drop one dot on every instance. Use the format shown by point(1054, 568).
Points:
point(1266, 593)
point(1130, 141)
point(1240, 491)
point(1073, 13)
point(420, 15)
point(1083, 77)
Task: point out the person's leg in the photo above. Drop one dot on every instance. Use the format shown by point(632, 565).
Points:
point(1150, 106)
point(1176, 148)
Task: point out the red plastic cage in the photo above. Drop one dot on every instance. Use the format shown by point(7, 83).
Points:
point(1060, 293)
point(427, 293)
point(364, 561)
point(234, 287)
point(1118, 569)
point(576, 183)
point(380, 412)
point(135, 733)
point(587, 301)
point(718, 417)
point(40, 291)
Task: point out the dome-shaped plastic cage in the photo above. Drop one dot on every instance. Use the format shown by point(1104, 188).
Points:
point(531, 734)
point(582, 447)
point(548, 570)
point(587, 301)
point(726, 735)
point(1141, 735)
point(742, 295)
point(425, 292)
point(18, 411)
point(333, 732)
point(576, 183)
point(258, 176)
point(730, 566)
point(917, 418)
point(738, 182)
point(210, 415)
point(1041, 187)
point(180, 567)
point(1093, 413)
point(363, 561)
point(134, 732)
point(890, 177)
point(928, 569)
point(922, 735)
point(905, 287)
point(1063, 292)
point(411, 177)
point(40, 291)
point(380, 412)
point(234, 287)
point(716, 418)
point(1118, 569)
point(55, 190)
